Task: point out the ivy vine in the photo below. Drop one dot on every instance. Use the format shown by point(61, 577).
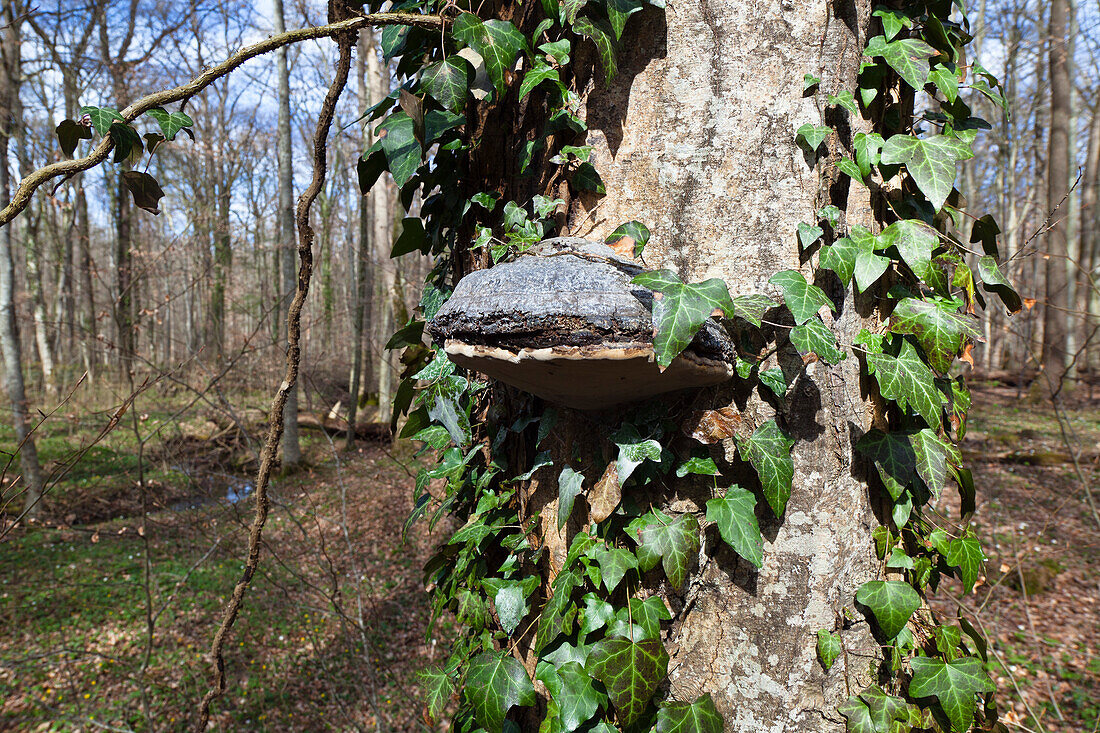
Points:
point(594, 634)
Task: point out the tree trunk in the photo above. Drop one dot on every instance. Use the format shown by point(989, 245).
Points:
point(9, 330)
point(292, 451)
point(1090, 238)
point(1056, 358)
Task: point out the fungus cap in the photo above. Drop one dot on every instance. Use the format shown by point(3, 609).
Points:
point(564, 322)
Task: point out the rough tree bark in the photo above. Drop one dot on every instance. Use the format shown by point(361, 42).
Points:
point(695, 137)
point(1056, 358)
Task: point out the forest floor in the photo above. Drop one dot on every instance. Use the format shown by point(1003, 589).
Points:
point(105, 622)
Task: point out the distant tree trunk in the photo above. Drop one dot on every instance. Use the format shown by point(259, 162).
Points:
point(1090, 237)
point(32, 247)
point(384, 202)
point(10, 70)
point(292, 450)
point(223, 261)
point(1056, 357)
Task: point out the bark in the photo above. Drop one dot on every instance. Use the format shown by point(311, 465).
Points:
point(1090, 235)
point(383, 202)
point(9, 329)
point(1056, 357)
point(292, 451)
point(695, 138)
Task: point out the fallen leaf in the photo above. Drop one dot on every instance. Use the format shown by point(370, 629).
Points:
point(623, 246)
point(605, 495)
point(712, 426)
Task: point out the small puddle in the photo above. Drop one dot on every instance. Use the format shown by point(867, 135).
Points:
point(236, 490)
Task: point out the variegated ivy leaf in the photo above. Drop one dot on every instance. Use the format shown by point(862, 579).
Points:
point(914, 241)
point(954, 684)
point(938, 326)
point(615, 563)
point(702, 465)
point(891, 601)
point(597, 32)
point(808, 234)
point(803, 299)
point(554, 620)
point(536, 75)
point(439, 688)
point(811, 136)
point(635, 231)
point(893, 456)
point(573, 690)
point(930, 161)
point(681, 310)
point(633, 451)
point(828, 647)
point(735, 516)
point(497, 41)
point(994, 281)
point(873, 711)
point(965, 554)
point(447, 82)
point(768, 449)
point(907, 380)
point(868, 151)
point(510, 598)
point(908, 57)
point(673, 543)
point(931, 452)
point(814, 336)
point(497, 681)
point(570, 483)
point(397, 135)
point(630, 671)
point(690, 717)
point(102, 117)
point(618, 11)
point(170, 122)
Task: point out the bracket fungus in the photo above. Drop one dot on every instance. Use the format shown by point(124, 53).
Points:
point(564, 322)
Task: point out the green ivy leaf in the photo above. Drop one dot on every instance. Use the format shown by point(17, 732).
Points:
point(811, 136)
point(814, 336)
point(618, 11)
point(947, 81)
point(938, 326)
point(701, 465)
point(993, 281)
point(557, 50)
point(769, 452)
point(413, 238)
point(672, 542)
point(497, 681)
point(965, 553)
point(596, 32)
point(536, 75)
point(868, 151)
point(439, 688)
point(851, 169)
point(893, 456)
point(803, 299)
point(69, 135)
point(891, 601)
point(873, 711)
point(735, 516)
point(690, 717)
point(892, 21)
point(751, 307)
point(840, 257)
point(843, 99)
point(908, 57)
point(370, 166)
point(570, 483)
point(632, 453)
point(808, 234)
point(809, 81)
point(635, 231)
point(573, 690)
point(914, 241)
point(587, 178)
point(986, 230)
point(447, 82)
point(597, 613)
point(497, 41)
point(907, 380)
point(931, 456)
point(646, 615)
point(681, 310)
point(630, 671)
point(510, 599)
point(128, 144)
point(170, 122)
point(930, 161)
point(774, 380)
point(397, 135)
point(553, 620)
point(954, 684)
point(828, 647)
point(102, 118)
point(614, 564)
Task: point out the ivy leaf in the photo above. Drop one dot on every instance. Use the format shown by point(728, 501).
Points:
point(769, 451)
point(811, 136)
point(803, 299)
point(69, 134)
point(965, 553)
point(986, 230)
point(618, 11)
point(930, 161)
point(908, 56)
point(510, 599)
point(808, 234)
point(497, 681)
point(573, 690)
point(439, 688)
point(868, 151)
point(102, 118)
point(413, 237)
point(814, 336)
point(844, 99)
point(681, 310)
point(850, 168)
point(587, 178)
point(751, 307)
point(614, 563)
point(736, 519)
point(447, 82)
point(840, 257)
point(869, 266)
point(908, 381)
point(690, 717)
point(632, 453)
point(497, 41)
point(633, 234)
point(953, 684)
point(993, 281)
point(937, 325)
point(370, 166)
point(672, 542)
point(597, 613)
point(437, 122)
point(947, 81)
point(828, 647)
point(892, 21)
point(646, 616)
point(931, 454)
point(809, 81)
point(570, 483)
point(597, 33)
point(915, 241)
point(557, 50)
point(536, 75)
point(553, 620)
point(170, 122)
point(873, 711)
point(630, 671)
point(891, 601)
point(774, 380)
point(703, 466)
point(397, 135)
point(893, 456)
point(145, 190)
point(128, 144)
